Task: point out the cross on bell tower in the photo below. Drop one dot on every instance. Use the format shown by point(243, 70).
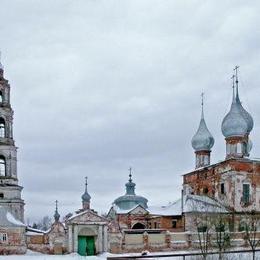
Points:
point(10, 191)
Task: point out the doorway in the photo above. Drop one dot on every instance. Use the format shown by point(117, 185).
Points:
point(86, 245)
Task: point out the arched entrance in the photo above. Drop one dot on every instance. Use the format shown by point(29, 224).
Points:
point(138, 225)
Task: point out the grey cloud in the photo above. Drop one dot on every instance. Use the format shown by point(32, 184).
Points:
point(100, 85)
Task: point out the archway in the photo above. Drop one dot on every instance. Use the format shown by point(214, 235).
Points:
point(138, 226)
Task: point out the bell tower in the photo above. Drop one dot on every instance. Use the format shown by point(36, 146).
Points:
point(10, 191)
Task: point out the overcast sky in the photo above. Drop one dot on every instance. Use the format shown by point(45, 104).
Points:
point(101, 85)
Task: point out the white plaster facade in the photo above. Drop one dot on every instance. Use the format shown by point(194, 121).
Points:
point(87, 223)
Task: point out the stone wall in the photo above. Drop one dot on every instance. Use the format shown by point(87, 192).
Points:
point(15, 242)
point(139, 241)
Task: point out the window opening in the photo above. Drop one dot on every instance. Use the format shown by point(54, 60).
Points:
point(2, 166)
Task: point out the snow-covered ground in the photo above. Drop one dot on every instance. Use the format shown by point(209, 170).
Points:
point(37, 256)
point(30, 255)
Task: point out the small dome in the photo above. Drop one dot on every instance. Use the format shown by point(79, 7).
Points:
point(203, 139)
point(237, 122)
point(86, 197)
point(130, 199)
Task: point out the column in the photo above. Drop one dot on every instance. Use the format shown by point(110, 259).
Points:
point(75, 238)
point(100, 239)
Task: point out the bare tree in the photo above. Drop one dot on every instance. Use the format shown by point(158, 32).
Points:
point(44, 223)
point(221, 232)
point(252, 222)
point(211, 220)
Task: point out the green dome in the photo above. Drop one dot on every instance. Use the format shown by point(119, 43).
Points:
point(130, 199)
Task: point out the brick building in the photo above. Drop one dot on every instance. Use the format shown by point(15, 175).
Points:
point(235, 181)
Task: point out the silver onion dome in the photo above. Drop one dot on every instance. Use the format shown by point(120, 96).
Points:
point(85, 196)
point(237, 122)
point(203, 139)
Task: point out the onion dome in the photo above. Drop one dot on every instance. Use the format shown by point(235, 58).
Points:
point(130, 199)
point(203, 139)
point(238, 122)
point(56, 214)
point(86, 197)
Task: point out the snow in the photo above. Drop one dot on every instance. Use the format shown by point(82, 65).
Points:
point(11, 219)
point(30, 233)
point(30, 255)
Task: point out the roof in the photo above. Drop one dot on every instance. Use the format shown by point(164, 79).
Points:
point(244, 160)
point(92, 216)
point(118, 210)
point(8, 220)
point(191, 203)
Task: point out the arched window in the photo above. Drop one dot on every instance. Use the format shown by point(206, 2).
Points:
point(2, 166)
point(2, 127)
point(1, 96)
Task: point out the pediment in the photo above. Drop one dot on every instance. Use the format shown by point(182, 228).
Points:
point(87, 216)
point(139, 210)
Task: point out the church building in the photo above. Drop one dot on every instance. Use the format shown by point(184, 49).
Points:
point(235, 181)
point(12, 229)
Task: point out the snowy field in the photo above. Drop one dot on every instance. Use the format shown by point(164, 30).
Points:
point(37, 256)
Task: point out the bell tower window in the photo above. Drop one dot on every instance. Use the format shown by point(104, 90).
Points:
point(2, 166)
point(246, 193)
point(2, 127)
point(1, 96)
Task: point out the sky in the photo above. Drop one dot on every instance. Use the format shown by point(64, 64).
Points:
point(98, 86)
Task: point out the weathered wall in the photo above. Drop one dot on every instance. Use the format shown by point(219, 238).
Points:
point(15, 243)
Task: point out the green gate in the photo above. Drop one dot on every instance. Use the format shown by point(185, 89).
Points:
point(86, 245)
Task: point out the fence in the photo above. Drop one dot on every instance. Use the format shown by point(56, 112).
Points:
point(174, 255)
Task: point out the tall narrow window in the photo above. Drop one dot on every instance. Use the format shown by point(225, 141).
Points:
point(222, 188)
point(2, 127)
point(1, 96)
point(246, 193)
point(2, 166)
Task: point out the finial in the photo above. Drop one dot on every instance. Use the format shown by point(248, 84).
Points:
point(86, 180)
point(56, 214)
point(236, 74)
point(130, 174)
point(202, 105)
point(236, 70)
point(233, 86)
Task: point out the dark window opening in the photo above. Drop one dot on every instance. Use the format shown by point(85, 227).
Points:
point(246, 193)
point(205, 190)
point(1, 96)
point(202, 229)
point(222, 188)
point(2, 166)
point(155, 224)
point(1, 195)
point(174, 223)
